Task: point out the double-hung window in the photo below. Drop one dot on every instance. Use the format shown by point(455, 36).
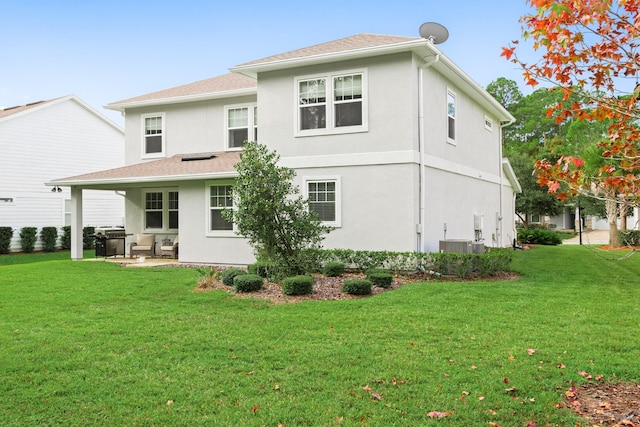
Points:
point(323, 195)
point(333, 103)
point(153, 140)
point(220, 198)
point(241, 124)
point(451, 116)
point(161, 210)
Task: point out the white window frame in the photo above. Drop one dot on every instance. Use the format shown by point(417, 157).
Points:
point(452, 95)
point(330, 104)
point(252, 125)
point(163, 136)
point(165, 210)
point(338, 202)
point(207, 193)
point(488, 123)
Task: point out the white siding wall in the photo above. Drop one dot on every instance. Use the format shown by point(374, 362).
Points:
point(55, 141)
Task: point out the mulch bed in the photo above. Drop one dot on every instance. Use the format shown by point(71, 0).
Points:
point(606, 404)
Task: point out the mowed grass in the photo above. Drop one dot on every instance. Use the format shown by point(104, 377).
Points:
point(94, 344)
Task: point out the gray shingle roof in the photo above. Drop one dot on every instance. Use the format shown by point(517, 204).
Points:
point(178, 167)
point(359, 41)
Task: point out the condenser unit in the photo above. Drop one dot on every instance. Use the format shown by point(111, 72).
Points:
point(457, 246)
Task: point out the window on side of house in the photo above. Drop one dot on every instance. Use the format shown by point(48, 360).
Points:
point(332, 103)
point(153, 144)
point(323, 195)
point(242, 125)
point(488, 123)
point(451, 116)
point(160, 210)
point(220, 198)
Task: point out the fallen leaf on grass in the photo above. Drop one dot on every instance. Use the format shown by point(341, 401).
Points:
point(437, 414)
point(376, 396)
point(530, 351)
point(169, 402)
point(366, 388)
point(585, 374)
point(255, 409)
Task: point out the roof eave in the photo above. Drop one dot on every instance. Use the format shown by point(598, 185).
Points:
point(511, 175)
point(121, 106)
point(140, 180)
point(252, 69)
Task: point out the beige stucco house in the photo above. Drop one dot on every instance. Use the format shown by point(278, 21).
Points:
point(393, 144)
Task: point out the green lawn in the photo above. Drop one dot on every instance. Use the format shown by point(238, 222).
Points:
point(95, 344)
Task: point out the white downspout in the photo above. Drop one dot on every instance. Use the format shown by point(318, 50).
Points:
point(422, 185)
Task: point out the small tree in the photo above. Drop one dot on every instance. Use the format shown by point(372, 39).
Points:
point(270, 212)
point(28, 238)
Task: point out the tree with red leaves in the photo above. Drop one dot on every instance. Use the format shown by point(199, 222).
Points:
point(588, 48)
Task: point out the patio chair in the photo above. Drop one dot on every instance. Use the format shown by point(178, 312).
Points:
point(169, 248)
point(145, 244)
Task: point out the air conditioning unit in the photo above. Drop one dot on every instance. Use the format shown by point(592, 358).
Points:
point(457, 246)
point(477, 247)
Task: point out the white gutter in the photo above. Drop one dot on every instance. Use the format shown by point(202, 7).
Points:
point(121, 106)
point(146, 179)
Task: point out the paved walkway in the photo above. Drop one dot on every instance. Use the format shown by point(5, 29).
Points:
point(591, 237)
point(137, 262)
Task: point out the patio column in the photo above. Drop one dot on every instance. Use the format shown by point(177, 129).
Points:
point(76, 223)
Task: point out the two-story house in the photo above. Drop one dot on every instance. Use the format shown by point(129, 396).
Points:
point(43, 140)
point(393, 144)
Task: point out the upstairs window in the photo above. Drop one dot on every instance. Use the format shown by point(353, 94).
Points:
point(242, 125)
point(335, 103)
point(153, 135)
point(451, 116)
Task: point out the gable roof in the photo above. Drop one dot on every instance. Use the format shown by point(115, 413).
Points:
point(216, 87)
point(181, 167)
point(20, 110)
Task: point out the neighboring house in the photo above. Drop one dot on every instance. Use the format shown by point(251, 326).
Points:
point(393, 144)
point(48, 139)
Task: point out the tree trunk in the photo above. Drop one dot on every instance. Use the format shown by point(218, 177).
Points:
point(624, 209)
point(612, 216)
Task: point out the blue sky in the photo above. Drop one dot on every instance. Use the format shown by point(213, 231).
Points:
point(105, 51)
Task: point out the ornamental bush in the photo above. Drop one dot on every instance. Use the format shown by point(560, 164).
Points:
point(333, 269)
point(49, 237)
point(247, 283)
point(264, 269)
point(297, 285)
point(6, 233)
point(382, 280)
point(88, 238)
point(538, 236)
point(65, 242)
point(357, 286)
point(28, 238)
point(229, 274)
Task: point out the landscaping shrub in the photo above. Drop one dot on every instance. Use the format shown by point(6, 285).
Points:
point(629, 237)
point(357, 286)
point(228, 275)
point(539, 236)
point(297, 285)
point(65, 241)
point(6, 233)
point(382, 280)
point(28, 238)
point(494, 261)
point(88, 239)
point(49, 237)
point(264, 269)
point(333, 269)
point(247, 283)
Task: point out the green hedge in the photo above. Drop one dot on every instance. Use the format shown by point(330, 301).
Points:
point(264, 269)
point(538, 236)
point(49, 237)
point(247, 283)
point(333, 269)
point(88, 239)
point(6, 234)
point(65, 241)
point(357, 286)
point(382, 280)
point(228, 275)
point(28, 238)
point(629, 237)
point(493, 261)
point(297, 285)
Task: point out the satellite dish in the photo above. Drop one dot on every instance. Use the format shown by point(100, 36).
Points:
point(434, 32)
